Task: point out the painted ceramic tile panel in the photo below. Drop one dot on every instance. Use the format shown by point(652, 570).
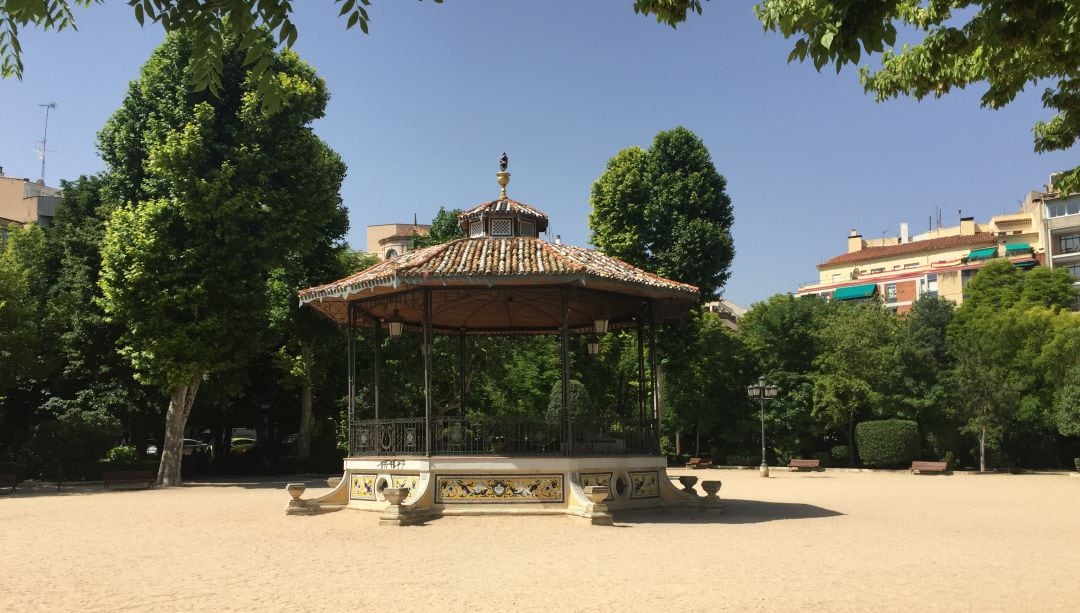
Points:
point(363, 487)
point(499, 489)
point(601, 479)
point(409, 481)
point(644, 484)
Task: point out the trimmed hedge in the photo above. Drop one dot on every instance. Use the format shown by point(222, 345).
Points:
point(889, 442)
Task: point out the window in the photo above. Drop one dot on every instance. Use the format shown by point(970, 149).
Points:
point(476, 229)
point(1069, 243)
point(502, 227)
point(890, 292)
point(527, 228)
point(911, 265)
point(1074, 270)
point(391, 253)
point(931, 285)
point(875, 271)
point(1059, 209)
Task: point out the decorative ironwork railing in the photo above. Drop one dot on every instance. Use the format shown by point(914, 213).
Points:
point(502, 435)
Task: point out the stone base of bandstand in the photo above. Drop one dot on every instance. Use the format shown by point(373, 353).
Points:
point(409, 490)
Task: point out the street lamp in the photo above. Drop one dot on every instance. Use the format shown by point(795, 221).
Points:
point(763, 393)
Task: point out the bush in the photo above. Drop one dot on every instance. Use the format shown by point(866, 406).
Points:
point(839, 454)
point(1076, 461)
point(824, 457)
point(889, 442)
point(121, 457)
point(580, 403)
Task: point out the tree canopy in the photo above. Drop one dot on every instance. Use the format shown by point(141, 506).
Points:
point(1006, 44)
point(666, 210)
point(227, 191)
point(212, 22)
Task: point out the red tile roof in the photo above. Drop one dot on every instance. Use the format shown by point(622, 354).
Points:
point(479, 259)
point(504, 205)
point(981, 239)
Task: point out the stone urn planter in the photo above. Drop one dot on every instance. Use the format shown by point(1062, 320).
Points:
point(712, 500)
point(597, 512)
point(688, 482)
point(395, 514)
point(296, 490)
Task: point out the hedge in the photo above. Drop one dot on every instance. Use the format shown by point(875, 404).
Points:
point(889, 442)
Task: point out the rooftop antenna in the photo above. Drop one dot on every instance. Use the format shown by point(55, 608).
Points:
point(44, 138)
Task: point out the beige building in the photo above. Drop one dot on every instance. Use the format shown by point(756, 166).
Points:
point(392, 239)
point(1062, 229)
point(23, 202)
point(729, 312)
point(940, 262)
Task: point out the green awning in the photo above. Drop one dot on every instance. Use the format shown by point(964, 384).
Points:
point(1017, 248)
point(855, 292)
point(1027, 264)
point(982, 254)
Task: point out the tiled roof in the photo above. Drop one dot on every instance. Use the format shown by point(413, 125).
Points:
point(505, 205)
point(933, 244)
point(481, 259)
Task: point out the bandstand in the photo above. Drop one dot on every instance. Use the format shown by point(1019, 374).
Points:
point(503, 279)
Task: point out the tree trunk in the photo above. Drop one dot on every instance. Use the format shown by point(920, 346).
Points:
point(851, 440)
point(982, 449)
point(697, 442)
point(678, 443)
point(172, 448)
point(307, 417)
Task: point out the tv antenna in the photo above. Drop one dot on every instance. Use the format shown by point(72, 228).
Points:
point(41, 151)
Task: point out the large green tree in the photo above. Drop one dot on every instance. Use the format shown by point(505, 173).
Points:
point(1006, 44)
point(215, 192)
point(666, 210)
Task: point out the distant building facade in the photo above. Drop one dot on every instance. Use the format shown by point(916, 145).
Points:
point(900, 269)
point(1062, 229)
point(24, 202)
point(729, 312)
point(393, 239)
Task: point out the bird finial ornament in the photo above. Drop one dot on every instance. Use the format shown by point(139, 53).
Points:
point(503, 162)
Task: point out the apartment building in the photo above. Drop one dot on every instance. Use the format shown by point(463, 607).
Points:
point(1062, 230)
point(23, 202)
point(901, 268)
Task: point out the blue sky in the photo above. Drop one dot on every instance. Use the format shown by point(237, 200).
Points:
point(424, 105)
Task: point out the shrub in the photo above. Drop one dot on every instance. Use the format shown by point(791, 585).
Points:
point(839, 454)
point(889, 442)
point(580, 403)
point(1076, 461)
point(824, 457)
point(121, 456)
point(742, 459)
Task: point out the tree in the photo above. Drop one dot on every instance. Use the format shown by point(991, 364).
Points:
point(226, 184)
point(857, 368)
point(666, 210)
point(209, 24)
point(1008, 44)
point(444, 228)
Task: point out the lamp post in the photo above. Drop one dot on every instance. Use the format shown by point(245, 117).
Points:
point(763, 393)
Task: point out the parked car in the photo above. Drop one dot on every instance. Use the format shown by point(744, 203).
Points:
point(242, 444)
point(195, 446)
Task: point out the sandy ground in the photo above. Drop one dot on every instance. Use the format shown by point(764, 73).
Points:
point(834, 541)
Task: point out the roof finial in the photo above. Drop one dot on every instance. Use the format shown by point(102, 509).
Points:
point(503, 176)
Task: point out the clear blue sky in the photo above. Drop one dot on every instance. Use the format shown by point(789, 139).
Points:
point(423, 106)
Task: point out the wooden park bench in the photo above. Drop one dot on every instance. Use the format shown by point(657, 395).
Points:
point(919, 467)
point(8, 481)
point(798, 465)
point(699, 463)
point(113, 477)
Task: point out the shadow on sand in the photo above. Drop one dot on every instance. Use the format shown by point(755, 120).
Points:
point(736, 512)
point(30, 489)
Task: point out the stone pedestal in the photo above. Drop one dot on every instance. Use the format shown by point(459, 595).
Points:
point(688, 482)
point(395, 514)
point(712, 500)
point(597, 512)
point(297, 506)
